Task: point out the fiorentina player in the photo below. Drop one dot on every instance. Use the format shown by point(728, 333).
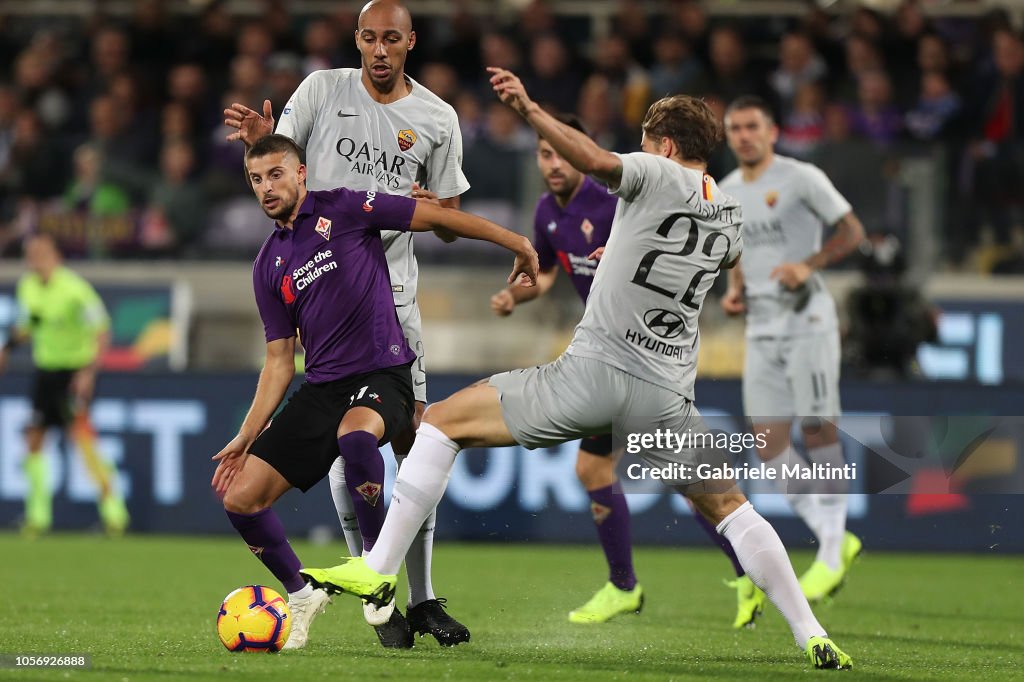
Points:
point(322, 275)
point(375, 128)
point(673, 231)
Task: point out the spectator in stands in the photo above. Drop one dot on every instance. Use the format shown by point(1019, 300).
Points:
point(799, 63)
point(804, 126)
point(36, 86)
point(874, 116)
point(36, 164)
point(691, 20)
point(187, 85)
point(124, 152)
point(284, 74)
point(320, 42)
point(998, 147)
point(862, 56)
point(176, 206)
point(439, 78)
point(676, 69)
point(110, 57)
point(248, 80)
point(89, 193)
point(255, 40)
point(601, 118)
point(730, 74)
point(938, 107)
point(552, 79)
point(496, 161)
point(629, 86)
point(631, 21)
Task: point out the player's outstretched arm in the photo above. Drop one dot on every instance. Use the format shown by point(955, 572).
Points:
point(250, 125)
point(428, 216)
point(276, 376)
point(580, 151)
point(506, 300)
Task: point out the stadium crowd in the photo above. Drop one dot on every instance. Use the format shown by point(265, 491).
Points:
point(112, 136)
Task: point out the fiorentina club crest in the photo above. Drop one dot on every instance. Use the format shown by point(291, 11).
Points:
point(257, 551)
point(323, 227)
point(587, 228)
point(600, 512)
point(771, 198)
point(406, 139)
point(371, 492)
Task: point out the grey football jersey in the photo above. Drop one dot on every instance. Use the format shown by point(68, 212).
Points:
point(783, 214)
point(353, 141)
point(673, 231)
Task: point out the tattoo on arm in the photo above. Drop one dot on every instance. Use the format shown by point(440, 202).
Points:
point(848, 235)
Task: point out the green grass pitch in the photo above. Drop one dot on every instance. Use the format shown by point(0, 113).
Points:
point(144, 608)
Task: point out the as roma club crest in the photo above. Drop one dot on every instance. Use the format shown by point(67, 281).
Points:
point(771, 198)
point(323, 227)
point(406, 139)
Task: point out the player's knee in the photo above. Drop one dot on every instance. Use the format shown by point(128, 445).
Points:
point(594, 472)
point(716, 506)
point(239, 501)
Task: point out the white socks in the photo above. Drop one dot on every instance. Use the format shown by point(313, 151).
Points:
point(417, 560)
point(821, 504)
point(830, 506)
point(343, 504)
point(305, 593)
point(764, 558)
point(419, 556)
point(418, 489)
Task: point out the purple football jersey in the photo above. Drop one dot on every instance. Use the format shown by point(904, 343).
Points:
point(328, 278)
point(568, 235)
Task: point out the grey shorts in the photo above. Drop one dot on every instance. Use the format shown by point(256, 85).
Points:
point(412, 326)
point(574, 397)
point(794, 376)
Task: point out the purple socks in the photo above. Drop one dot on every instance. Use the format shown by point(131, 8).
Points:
point(721, 541)
point(611, 516)
point(364, 476)
point(265, 536)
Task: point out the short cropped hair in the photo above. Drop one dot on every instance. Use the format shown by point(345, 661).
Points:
point(273, 144)
point(688, 122)
point(751, 102)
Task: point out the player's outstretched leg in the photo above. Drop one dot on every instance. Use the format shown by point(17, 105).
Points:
point(749, 597)
point(595, 467)
point(470, 418)
point(426, 611)
point(764, 558)
point(247, 504)
point(113, 512)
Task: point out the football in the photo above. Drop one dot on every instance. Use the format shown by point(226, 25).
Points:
point(254, 618)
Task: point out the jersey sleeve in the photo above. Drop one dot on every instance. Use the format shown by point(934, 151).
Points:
point(641, 174)
point(542, 245)
point(300, 112)
point(380, 211)
point(444, 166)
point(822, 197)
point(94, 313)
point(277, 323)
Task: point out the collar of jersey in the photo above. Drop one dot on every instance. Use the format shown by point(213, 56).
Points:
point(308, 207)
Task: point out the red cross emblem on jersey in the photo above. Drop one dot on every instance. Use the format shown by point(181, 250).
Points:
point(323, 227)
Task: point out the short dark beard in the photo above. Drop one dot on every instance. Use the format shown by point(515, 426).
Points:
point(283, 213)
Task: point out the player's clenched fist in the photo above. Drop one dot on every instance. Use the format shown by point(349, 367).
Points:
point(510, 90)
point(503, 303)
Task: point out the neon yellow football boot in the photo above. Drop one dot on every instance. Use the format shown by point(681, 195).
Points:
point(749, 602)
point(609, 602)
point(825, 655)
point(354, 577)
